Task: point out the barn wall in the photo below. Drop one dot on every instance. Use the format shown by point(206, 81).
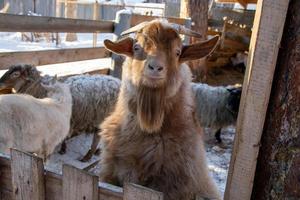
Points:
point(278, 167)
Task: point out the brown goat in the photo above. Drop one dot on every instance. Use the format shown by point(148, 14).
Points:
point(152, 138)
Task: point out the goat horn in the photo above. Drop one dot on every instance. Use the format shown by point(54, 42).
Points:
point(135, 28)
point(185, 31)
point(179, 28)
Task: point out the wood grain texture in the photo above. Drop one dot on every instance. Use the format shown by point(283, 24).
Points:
point(79, 185)
point(137, 192)
point(53, 182)
point(27, 176)
point(45, 57)
point(21, 23)
point(266, 37)
point(278, 166)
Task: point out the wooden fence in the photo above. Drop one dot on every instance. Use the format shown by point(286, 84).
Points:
point(14, 23)
point(23, 177)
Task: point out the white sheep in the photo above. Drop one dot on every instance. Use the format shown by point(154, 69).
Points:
point(216, 107)
point(94, 97)
point(35, 125)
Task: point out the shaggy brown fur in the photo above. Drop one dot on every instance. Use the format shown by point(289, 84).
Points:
point(152, 138)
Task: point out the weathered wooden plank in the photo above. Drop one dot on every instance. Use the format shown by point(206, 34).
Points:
point(5, 174)
point(53, 183)
point(51, 56)
point(27, 176)
point(21, 23)
point(78, 184)
point(278, 164)
point(137, 192)
point(264, 45)
point(53, 186)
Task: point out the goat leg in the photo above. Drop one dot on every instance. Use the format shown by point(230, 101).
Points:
point(218, 136)
point(93, 148)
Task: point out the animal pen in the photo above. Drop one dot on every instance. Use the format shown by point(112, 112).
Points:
point(23, 176)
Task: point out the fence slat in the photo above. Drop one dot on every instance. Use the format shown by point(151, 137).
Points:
point(123, 22)
point(22, 23)
point(78, 184)
point(51, 56)
point(137, 192)
point(27, 176)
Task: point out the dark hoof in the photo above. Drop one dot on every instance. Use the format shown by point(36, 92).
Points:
point(97, 152)
point(62, 151)
point(87, 157)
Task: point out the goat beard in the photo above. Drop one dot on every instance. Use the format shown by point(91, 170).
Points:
point(151, 108)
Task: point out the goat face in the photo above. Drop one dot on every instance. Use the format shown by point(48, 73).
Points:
point(156, 54)
point(153, 70)
point(15, 77)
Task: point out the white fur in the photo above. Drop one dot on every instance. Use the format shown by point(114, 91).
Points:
point(35, 125)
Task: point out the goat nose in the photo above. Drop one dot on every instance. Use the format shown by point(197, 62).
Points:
point(155, 67)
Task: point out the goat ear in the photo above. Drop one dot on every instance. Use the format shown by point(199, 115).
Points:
point(198, 50)
point(123, 46)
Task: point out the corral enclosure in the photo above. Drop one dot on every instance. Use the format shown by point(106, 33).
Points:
point(256, 91)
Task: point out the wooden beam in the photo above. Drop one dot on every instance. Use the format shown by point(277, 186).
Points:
point(22, 23)
point(27, 176)
point(51, 56)
point(266, 37)
point(278, 164)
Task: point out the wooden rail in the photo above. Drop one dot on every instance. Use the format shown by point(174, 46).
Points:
point(22, 23)
point(51, 56)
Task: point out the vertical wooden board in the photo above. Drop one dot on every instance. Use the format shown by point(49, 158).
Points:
point(122, 23)
point(267, 32)
point(78, 184)
point(27, 176)
point(137, 192)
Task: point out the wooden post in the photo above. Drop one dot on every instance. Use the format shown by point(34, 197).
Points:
point(137, 192)
point(71, 12)
point(95, 17)
point(278, 166)
point(122, 23)
point(197, 10)
point(78, 184)
point(266, 36)
point(27, 176)
point(57, 14)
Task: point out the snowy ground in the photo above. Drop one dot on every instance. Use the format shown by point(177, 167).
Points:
point(218, 155)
